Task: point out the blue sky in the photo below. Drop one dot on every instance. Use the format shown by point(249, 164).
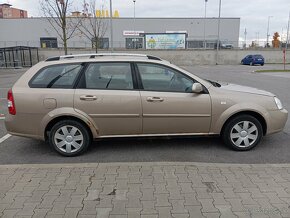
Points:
point(253, 13)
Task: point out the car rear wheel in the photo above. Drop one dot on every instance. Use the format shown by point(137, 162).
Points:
point(262, 64)
point(69, 138)
point(242, 133)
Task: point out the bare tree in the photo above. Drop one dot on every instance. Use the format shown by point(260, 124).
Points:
point(92, 26)
point(56, 12)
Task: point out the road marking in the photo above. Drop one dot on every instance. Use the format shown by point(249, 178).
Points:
point(2, 118)
point(7, 136)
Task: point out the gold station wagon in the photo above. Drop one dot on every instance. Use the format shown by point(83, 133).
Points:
point(71, 100)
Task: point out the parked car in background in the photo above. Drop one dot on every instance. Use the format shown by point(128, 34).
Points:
point(252, 60)
point(71, 100)
point(227, 46)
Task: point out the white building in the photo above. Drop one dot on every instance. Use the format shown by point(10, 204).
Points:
point(37, 32)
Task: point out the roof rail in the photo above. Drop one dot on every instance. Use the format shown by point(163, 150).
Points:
point(57, 58)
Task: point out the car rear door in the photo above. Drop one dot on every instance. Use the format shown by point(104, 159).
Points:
point(169, 106)
point(106, 93)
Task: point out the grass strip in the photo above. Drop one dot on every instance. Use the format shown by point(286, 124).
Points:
point(272, 71)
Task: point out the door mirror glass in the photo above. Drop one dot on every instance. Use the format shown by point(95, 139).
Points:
point(197, 88)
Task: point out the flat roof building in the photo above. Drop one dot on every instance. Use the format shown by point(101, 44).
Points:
point(37, 32)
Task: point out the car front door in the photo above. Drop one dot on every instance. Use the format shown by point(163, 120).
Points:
point(249, 59)
point(106, 93)
point(169, 106)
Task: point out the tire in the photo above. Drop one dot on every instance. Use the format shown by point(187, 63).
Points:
point(242, 133)
point(262, 64)
point(242, 62)
point(69, 138)
point(251, 63)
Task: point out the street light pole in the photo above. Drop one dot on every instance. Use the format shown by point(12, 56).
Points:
point(204, 44)
point(287, 32)
point(257, 38)
point(218, 38)
point(111, 25)
point(267, 44)
point(134, 42)
point(245, 38)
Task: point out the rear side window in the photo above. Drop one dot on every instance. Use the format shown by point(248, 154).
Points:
point(56, 76)
point(116, 76)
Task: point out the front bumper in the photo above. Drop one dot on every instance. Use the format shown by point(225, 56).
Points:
point(277, 121)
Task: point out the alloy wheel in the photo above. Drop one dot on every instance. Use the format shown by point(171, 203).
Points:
point(68, 139)
point(244, 134)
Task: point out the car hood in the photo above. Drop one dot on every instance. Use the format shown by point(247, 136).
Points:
point(244, 89)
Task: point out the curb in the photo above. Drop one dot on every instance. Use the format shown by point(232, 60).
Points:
point(96, 165)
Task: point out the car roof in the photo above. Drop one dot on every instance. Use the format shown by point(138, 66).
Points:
point(104, 56)
point(101, 57)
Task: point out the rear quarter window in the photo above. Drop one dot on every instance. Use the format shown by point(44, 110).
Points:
point(56, 76)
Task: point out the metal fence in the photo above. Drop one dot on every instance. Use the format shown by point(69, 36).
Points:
point(18, 56)
point(140, 44)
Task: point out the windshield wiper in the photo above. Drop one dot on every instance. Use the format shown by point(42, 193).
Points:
point(109, 82)
point(215, 84)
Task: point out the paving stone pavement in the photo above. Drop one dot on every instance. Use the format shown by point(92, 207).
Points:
point(146, 190)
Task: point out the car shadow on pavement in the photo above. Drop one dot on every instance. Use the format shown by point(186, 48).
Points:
point(273, 149)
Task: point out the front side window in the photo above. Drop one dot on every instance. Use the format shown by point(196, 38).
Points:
point(160, 78)
point(56, 76)
point(109, 76)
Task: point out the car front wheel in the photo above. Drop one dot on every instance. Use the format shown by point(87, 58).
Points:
point(242, 133)
point(69, 138)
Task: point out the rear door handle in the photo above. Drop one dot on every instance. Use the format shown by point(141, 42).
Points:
point(154, 99)
point(88, 97)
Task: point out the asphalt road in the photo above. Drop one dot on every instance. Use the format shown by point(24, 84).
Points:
point(272, 149)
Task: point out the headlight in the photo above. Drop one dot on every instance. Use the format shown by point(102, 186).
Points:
point(278, 103)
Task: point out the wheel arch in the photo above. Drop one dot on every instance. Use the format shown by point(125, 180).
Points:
point(254, 114)
point(65, 117)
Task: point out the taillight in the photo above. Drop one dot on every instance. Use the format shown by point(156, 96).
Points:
point(11, 104)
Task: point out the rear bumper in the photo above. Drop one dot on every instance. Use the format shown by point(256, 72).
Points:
point(258, 62)
point(15, 126)
point(277, 121)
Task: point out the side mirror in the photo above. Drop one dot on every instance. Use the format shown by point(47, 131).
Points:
point(197, 88)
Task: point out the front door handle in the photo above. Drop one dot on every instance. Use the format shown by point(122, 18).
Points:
point(88, 97)
point(155, 99)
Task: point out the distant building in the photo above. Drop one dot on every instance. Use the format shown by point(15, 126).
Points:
point(6, 11)
point(128, 33)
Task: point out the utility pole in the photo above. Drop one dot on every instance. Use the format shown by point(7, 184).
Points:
point(111, 25)
point(135, 39)
point(257, 38)
point(218, 38)
point(204, 24)
point(287, 32)
point(245, 37)
point(267, 44)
